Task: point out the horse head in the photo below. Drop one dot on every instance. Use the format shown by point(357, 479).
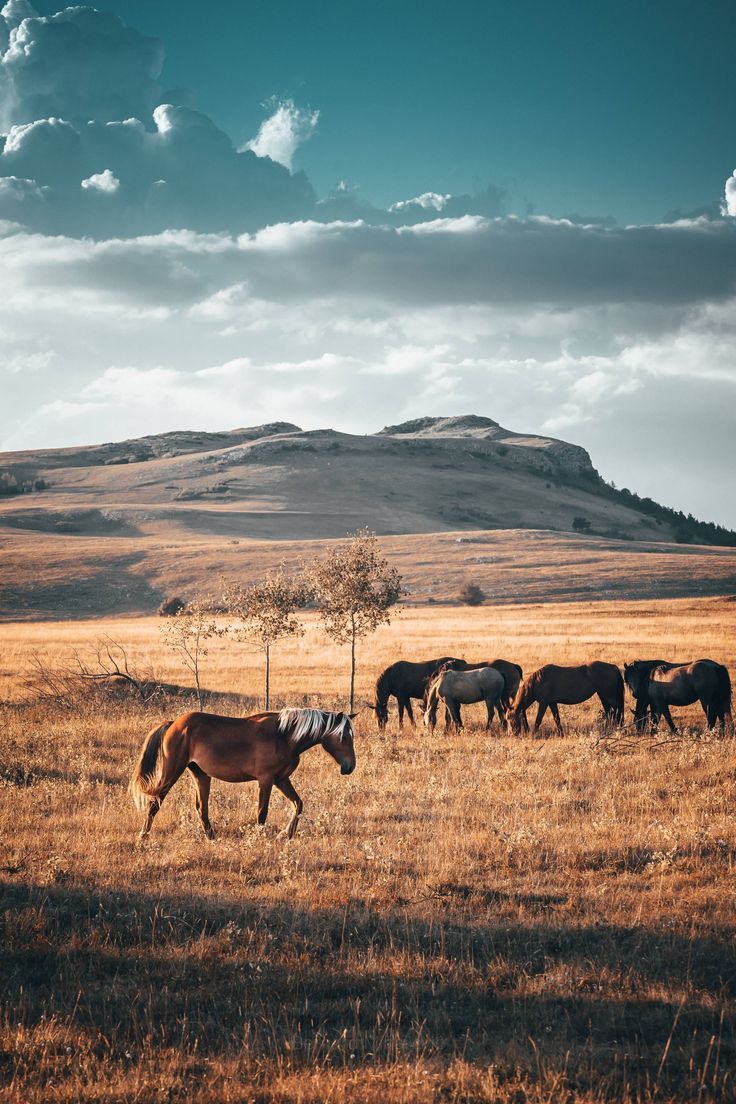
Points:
point(338, 741)
point(636, 677)
point(513, 719)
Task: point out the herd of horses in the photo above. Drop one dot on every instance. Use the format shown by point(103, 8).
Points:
point(266, 747)
point(655, 685)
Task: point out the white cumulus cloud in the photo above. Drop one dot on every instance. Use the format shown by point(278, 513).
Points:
point(427, 201)
point(283, 132)
point(729, 199)
point(103, 181)
point(76, 64)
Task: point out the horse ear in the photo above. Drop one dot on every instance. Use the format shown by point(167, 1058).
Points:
point(366, 705)
point(352, 716)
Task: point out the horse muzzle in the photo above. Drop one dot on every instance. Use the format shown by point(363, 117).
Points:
point(347, 768)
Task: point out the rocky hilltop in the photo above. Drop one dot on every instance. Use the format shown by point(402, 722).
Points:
point(541, 453)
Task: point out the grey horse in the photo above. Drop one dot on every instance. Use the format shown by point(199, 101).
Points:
point(457, 688)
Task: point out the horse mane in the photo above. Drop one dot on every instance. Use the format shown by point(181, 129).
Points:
point(311, 725)
point(380, 685)
point(524, 695)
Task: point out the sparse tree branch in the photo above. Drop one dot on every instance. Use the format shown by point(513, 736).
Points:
point(187, 634)
point(265, 613)
point(355, 588)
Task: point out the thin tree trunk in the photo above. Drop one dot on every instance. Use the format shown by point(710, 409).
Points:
point(268, 676)
point(352, 665)
point(200, 702)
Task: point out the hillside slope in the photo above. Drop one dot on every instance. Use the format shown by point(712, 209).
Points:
point(114, 527)
point(278, 482)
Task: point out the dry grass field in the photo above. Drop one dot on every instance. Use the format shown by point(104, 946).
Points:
point(465, 918)
point(52, 576)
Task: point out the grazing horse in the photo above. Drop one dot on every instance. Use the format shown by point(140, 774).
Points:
point(404, 680)
point(463, 687)
point(660, 685)
point(264, 748)
point(512, 676)
point(641, 665)
point(551, 686)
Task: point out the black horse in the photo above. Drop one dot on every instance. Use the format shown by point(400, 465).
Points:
point(404, 680)
point(660, 685)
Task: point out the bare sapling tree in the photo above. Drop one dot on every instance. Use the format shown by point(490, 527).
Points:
point(188, 633)
point(354, 587)
point(111, 667)
point(68, 684)
point(265, 613)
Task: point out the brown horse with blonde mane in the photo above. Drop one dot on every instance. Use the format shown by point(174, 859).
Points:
point(264, 748)
point(551, 686)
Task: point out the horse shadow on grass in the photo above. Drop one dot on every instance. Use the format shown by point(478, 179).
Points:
point(322, 985)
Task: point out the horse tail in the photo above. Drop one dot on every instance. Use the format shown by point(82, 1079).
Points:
point(723, 692)
point(432, 693)
point(619, 694)
point(146, 779)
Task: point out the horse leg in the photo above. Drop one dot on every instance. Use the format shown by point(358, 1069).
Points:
point(410, 712)
point(668, 717)
point(153, 808)
point(453, 710)
point(156, 802)
point(202, 797)
point(264, 796)
point(490, 709)
point(400, 703)
point(714, 715)
point(556, 714)
point(288, 790)
point(541, 710)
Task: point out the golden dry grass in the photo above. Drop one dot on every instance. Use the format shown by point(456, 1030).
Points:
point(466, 918)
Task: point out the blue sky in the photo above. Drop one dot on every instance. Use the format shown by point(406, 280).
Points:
point(174, 253)
point(621, 109)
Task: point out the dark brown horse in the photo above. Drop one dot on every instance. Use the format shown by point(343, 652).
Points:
point(636, 669)
point(551, 686)
point(264, 748)
point(404, 680)
point(659, 685)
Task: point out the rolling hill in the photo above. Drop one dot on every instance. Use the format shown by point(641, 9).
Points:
point(113, 527)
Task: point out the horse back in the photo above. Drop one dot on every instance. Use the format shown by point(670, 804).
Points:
point(687, 682)
point(572, 685)
point(407, 678)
